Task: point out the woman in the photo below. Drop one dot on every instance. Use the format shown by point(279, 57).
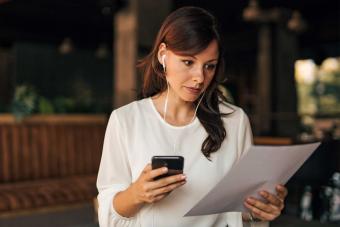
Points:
point(182, 113)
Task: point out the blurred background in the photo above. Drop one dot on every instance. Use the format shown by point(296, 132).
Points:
point(66, 64)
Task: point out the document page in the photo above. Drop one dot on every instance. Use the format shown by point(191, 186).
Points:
point(262, 168)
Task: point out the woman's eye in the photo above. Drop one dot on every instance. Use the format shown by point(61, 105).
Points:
point(187, 62)
point(210, 66)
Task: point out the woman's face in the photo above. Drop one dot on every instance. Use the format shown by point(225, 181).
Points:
point(189, 76)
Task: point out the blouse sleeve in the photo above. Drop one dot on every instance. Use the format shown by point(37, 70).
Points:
point(245, 140)
point(114, 175)
point(245, 135)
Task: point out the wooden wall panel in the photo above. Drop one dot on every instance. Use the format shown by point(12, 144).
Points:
point(49, 160)
point(45, 150)
point(62, 151)
point(26, 165)
point(44, 147)
point(53, 151)
point(16, 158)
point(5, 153)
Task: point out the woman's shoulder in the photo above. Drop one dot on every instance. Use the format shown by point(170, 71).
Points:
point(131, 109)
point(235, 115)
point(230, 109)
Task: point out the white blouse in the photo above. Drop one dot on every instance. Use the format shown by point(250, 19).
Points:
point(135, 133)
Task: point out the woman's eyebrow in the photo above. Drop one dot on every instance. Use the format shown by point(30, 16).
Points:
point(188, 55)
point(215, 59)
point(192, 56)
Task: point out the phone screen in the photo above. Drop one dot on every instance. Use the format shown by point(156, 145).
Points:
point(174, 164)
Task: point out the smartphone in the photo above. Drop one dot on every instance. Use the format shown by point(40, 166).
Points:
point(174, 164)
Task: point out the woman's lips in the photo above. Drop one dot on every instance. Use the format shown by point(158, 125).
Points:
point(192, 90)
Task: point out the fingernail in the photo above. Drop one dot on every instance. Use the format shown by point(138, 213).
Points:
point(250, 200)
point(165, 169)
point(183, 177)
point(263, 193)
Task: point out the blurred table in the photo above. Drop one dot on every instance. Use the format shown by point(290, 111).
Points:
point(80, 215)
point(292, 221)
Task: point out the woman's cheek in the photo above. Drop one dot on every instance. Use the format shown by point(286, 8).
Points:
point(208, 80)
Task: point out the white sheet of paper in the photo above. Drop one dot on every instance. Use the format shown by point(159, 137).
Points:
point(263, 167)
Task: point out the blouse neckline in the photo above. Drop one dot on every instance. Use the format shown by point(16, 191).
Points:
point(160, 118)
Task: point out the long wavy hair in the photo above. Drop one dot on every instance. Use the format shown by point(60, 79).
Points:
point(188, 31)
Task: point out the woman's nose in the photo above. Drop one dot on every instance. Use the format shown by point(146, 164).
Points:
point(198, 76)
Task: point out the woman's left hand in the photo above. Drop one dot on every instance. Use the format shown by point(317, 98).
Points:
point(271, 209)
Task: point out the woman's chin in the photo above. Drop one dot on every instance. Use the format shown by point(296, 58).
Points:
point(190, 98)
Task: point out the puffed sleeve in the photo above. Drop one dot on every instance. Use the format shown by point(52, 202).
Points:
point(114, 175)
point(245, 140)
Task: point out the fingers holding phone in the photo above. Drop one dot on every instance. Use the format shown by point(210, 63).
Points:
point(174, 176)
point(168, 184)
point(146, 189)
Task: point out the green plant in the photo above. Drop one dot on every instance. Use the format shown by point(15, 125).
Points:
point(63, 105)
point(45, 106)
point(24, 101)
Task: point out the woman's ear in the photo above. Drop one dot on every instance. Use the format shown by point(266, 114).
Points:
point(161, 53)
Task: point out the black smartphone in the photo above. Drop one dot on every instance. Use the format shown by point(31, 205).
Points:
point(174, 164)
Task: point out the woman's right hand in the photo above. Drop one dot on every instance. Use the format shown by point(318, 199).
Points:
point(147, 190)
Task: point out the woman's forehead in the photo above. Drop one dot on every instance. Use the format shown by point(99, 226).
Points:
point(211, 52)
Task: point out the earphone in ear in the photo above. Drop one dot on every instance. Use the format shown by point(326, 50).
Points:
point(163, 62)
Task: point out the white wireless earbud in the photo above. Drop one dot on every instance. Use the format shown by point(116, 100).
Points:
point(163, 62)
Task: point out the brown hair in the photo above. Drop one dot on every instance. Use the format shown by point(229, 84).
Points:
point(188, 31)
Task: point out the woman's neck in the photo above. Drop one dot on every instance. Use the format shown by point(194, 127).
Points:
point(178, 112)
